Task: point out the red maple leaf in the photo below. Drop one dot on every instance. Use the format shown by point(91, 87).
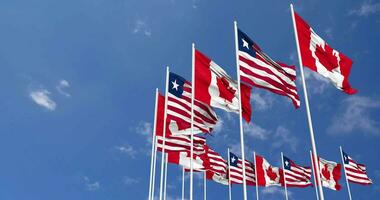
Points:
point(272, 175)
point(326, 57)
point(226, 91)
point(325, 172)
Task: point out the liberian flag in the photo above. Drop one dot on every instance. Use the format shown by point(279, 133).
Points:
point(259, 70)
point(355, 172)
point(236, 171)
point(179, 109)
point(267, 175)
point(295, 175)
point(180, 143)
point(217, 169)
point(318, 56)
point(216, 88)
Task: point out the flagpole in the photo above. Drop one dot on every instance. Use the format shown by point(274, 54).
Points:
point(283, 173)
point(315, 157)
point(166, 175)
point(183, 183)
point(240, 113)
point(315, 180)
point(204, 186)
point(154, 168)
point(256, 181)
point(152, 160)
point(192, 119)
point(229, 175)
point(164, 133)
point(345, 173)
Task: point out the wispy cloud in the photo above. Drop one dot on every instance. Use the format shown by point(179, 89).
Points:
point(62, 85)
point(280, 137)
point(270, 191)
point(130, 180)
point(127, 149)
point(283, 137)
point(145, 129)
point(256, 131)
point(141, 27)
point(41, 97)
point(329, 33)
point(219, 126)
point(91, 186)
point(262, 101)
point(315, 82)
point(354, 114)
point(366, 8)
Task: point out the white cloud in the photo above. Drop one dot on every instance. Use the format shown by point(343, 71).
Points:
point(219, 126)
point(367, 8)
point(130, 181)
point(283, 137)
point(354, 114)
point(141, 27)
point(316, 83)
point(275, 190)
point(61, 86)
point(127, 149)
point(262, 101)
point(91, 186)
point(145, 129)
point(41, 98)
point(256, 131)
point(328, 33)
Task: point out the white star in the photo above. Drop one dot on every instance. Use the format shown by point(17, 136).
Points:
point(286, 163)
point(175, 85)
point(245, 44)
point(233, 159)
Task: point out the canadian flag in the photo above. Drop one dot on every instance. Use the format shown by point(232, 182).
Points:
point(183, 158)
point(217, 177)
point(320, 57)
point(330, 173)
point(216, 88)
point(267, 175)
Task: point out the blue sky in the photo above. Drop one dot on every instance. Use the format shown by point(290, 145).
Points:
point(78, 80)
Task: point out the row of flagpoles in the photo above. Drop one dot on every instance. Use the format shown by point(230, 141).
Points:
point(188, 107)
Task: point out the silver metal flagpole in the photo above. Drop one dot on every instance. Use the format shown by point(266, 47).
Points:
point(166, 175)
point(164, 133)
point(283, 173)
point(151, 189)
point(240, 113)
point(345, 173)
point(154, 168)
point(256, 181)
point(183, 183)
point(314, 175)
point(204, 186)
point(229, 175)
point(315, 157)
point(192, 119)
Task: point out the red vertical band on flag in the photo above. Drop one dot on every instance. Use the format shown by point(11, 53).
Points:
point(318, 56)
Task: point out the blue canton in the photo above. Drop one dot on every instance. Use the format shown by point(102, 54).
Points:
point(176, 83)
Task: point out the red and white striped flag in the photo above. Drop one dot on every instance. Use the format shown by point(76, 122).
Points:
point(259, 70)
point(356, 173)
point(236, 171)
point(217, 167)
point(295, 175)
point(216, 88)
point(180, 143)
point(179, 109)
